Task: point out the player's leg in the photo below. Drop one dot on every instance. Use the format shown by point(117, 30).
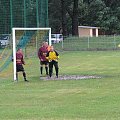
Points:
point(50, 68)
point(17, 70)
point(46, 67)
point(41, 67)
point(17, 76)
point(56, 68)
point(24, 74)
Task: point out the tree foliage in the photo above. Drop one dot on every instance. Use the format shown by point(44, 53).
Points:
point(69, 14)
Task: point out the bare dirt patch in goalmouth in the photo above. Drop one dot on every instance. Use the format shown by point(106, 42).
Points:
point(71, 77)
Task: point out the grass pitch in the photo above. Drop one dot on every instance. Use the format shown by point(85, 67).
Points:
point(88, 99)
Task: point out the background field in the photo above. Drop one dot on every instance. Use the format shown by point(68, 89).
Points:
point(105, 42)
point(88, 99)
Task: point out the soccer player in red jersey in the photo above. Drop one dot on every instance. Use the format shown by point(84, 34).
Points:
point(42, 57)
point(19, 64)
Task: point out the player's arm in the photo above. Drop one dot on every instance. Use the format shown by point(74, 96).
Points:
point(57, 54)
point(40, 54)
point(22, 59)
point(47, 56)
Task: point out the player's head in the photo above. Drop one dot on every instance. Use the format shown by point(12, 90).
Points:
point(51, 48)
point(19, 50)
point(46, 43)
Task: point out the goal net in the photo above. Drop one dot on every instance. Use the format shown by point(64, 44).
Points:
point(30, 40)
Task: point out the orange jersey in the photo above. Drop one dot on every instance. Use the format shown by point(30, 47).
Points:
point(48, 48)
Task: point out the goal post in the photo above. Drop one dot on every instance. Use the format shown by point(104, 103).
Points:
point(14, 42)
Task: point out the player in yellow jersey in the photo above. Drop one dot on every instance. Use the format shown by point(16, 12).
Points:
point(52, 56)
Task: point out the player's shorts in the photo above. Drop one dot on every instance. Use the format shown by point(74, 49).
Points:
point(44, 62)
point(19, 68)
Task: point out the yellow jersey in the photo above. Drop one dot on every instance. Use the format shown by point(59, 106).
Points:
point(52, 55)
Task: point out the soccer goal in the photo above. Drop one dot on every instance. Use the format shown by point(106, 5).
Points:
point(29, 39)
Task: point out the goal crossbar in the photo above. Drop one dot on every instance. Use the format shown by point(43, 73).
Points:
point(14, 44)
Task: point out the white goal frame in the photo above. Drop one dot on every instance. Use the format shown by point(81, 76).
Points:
point(14, 44)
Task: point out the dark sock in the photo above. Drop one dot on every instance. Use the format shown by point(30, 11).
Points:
point(17, 76)
point(46, 68)
point(41, 70)
point(57, 73)
point(50, 73)
point(24, 75)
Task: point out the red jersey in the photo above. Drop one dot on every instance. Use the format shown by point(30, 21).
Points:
point(42, 53)
point(19, 58)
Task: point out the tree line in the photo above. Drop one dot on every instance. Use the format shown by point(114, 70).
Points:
point(66, 15)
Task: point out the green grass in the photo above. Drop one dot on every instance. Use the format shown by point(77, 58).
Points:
point(89, 99)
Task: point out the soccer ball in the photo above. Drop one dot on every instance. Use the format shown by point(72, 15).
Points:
point(119, 45)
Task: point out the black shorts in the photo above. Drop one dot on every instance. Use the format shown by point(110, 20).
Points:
point(19, 68)
point(44, 62)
